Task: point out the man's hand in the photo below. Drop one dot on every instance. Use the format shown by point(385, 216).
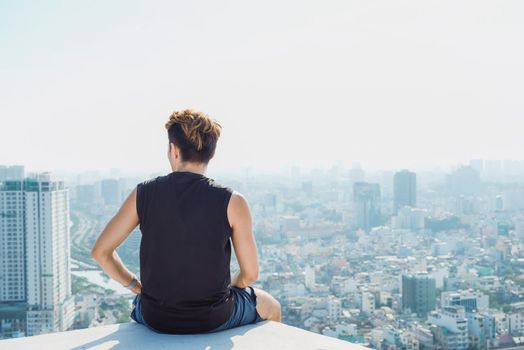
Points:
point(138, 288)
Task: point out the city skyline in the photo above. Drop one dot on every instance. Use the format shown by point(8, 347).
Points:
point(427, 264)
point(493, 168)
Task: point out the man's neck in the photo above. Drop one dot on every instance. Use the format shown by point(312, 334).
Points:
point(199, 169)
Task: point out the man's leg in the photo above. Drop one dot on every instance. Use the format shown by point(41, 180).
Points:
point(267, 306)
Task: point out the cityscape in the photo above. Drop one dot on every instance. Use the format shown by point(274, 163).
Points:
point(390, 259)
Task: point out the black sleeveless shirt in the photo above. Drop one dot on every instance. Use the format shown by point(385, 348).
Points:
point(185, 252)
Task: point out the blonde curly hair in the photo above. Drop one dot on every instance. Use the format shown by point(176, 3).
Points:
point(195, 133)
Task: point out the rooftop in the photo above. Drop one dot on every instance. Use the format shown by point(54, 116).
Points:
point(264, 335)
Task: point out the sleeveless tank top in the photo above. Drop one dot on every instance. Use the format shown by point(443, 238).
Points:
point(185, 252)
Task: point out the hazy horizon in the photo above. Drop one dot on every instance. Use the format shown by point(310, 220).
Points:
point(391, 85)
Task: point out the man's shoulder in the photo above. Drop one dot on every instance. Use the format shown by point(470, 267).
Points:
point(152, 181)
point(237, 195)
point(219, 185)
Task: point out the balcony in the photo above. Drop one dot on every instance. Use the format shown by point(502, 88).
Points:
point(264, 335)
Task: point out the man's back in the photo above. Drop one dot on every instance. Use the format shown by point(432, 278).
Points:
point(189, 224)
point(185, 252)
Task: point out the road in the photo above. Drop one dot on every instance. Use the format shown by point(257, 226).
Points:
point(82, 236)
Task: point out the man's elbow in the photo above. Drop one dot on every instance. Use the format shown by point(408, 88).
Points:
point(95, 253)
point(98, 255)
point(251, 277)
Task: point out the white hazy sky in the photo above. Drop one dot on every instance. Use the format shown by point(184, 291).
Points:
point(89, 84)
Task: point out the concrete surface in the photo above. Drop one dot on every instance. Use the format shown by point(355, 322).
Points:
point(263, 335)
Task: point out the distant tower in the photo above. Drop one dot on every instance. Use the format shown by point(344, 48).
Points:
point(310, 276)
point(110, 191)
point(404, 189)
point(463, 181)
point(366, 198)
point(418, 293)
point(34, 226)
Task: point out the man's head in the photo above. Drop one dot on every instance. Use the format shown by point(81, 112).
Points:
point(192, 137)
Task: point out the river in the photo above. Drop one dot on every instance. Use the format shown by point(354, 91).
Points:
point(96, 277)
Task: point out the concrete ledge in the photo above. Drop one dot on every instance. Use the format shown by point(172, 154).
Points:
point(264, 335)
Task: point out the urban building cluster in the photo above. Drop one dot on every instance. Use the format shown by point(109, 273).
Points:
point(388, 259)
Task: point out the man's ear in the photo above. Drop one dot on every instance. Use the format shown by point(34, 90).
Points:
point(175, 151)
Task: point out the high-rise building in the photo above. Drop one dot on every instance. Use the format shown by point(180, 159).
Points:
point(110, 191)
point(366, 198)
point(404, 189)
point(11, 172)
point(12, 261)
point(35, 252)
point(12, 242)
point(418, 293)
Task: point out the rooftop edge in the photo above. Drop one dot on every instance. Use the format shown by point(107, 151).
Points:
point(263, 335)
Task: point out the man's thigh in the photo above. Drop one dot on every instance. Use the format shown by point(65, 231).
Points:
point(266, 303)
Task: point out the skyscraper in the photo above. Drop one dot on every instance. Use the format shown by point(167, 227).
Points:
point(366, 197)
point(35, 254)
point(12, 242)
point(418, 293)
point(12, 261)
point(110, 191)
point(404, 189)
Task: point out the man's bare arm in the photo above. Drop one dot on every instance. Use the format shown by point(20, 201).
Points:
point(116, 232)
point(243, 241)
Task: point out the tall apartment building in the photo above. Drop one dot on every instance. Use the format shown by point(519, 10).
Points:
point(366, 197)
point(418, 293)
point(35, 253)
point(404, 189)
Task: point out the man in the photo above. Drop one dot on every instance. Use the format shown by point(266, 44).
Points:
point(188, 222)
